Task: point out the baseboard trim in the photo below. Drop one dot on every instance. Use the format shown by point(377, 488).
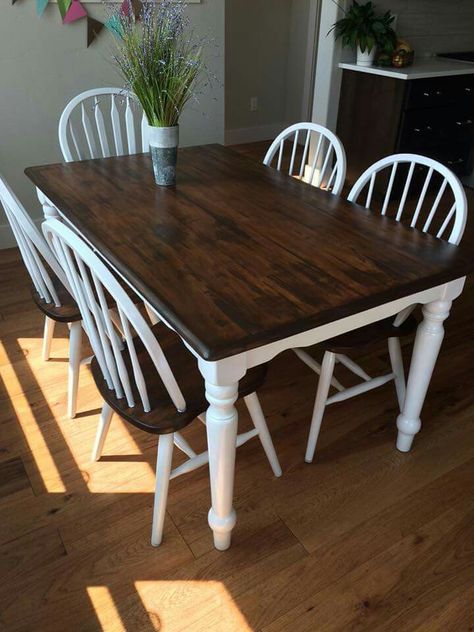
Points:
point(252, 134)
point(7, 240)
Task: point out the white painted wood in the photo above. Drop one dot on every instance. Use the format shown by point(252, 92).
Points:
point(324, 383)
point(163, 471)
point(130, 127)
point(421, 69)
point(352, 366)
point(221, 426)
point(329, 157)
point(428, 341)
point(102, 430)
point(359, 389)
point(99, 122)
point(90, 279)
point(75, 341)
point(315, 366)
point(106, 117)
point(49, 324)
point(38, 259)
point(396, 360)
point(181, 443)
point(203, 457)
point(258, 418)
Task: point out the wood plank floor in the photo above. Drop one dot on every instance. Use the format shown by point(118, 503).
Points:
point(366, 538)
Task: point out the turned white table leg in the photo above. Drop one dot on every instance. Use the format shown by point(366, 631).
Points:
point(221, 425)
point(428, 341)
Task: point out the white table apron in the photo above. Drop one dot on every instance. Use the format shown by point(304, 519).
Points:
point(222, 379)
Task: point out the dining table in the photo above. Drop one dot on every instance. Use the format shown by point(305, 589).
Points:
point(245, 262)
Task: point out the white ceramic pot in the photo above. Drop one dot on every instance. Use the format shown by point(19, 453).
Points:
point(164, 153)
point(365, 58)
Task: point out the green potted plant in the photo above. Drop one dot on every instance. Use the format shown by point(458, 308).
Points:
point(363, 29)
point(161, 61)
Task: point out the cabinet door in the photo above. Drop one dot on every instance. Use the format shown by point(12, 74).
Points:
point(440, 92)
point(370, 108)
point(445, 134)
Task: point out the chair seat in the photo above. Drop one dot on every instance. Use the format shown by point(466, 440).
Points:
point(163, 417)
point(68, 311)
point(365, 336)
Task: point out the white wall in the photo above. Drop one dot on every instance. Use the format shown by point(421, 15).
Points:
point(43, 64)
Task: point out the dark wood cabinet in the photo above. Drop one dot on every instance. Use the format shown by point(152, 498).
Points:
point(381, 115)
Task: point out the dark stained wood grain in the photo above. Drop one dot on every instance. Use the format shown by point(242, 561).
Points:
point(369, 118)
point(238, 255)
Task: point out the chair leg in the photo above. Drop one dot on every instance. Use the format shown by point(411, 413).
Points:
point(102, 430)
point(396, 360)
point(75, 341)
point(181, 443)
point(258, 418)
point(327, 369)
point(49, 324)
point(163, 471)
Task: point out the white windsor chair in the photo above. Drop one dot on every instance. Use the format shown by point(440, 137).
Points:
point(328, 163)
point(144, 373)
point(50, 293)
point(427, 216)
point(100, 123)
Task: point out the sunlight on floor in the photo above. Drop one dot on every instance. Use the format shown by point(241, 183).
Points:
point(43, 420)
point(31, 431)
point(105, 609)
point(170, 606)
point(200, 605)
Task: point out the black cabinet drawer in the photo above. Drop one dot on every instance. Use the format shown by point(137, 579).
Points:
point(453, 123)
point(442, 91)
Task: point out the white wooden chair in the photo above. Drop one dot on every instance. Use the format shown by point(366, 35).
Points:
point(327, 169)
point(100, 123)
point(50, 293)
point(144, 373)
point(443, 215)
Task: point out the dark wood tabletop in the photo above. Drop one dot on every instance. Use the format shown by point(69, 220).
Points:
point(238, 255)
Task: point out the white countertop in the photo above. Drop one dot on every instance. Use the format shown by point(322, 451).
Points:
point(423, 68)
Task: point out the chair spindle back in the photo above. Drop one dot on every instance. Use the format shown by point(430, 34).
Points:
point(101, 123)
point(91, 281)
point(326, 168)
point(34, 251)
point(425, 211)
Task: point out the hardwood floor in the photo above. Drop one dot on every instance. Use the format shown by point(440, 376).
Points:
point(365, 538)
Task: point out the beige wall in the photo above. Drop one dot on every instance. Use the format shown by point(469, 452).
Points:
point(266, 44)
point(298, 43)
point(43, 64)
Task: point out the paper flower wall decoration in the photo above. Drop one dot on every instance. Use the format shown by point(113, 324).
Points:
point(74, 10)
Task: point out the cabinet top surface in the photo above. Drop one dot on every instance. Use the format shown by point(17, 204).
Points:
point(238, 255)
point(422, 69)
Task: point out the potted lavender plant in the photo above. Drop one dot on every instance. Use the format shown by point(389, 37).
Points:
point(161, 61)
